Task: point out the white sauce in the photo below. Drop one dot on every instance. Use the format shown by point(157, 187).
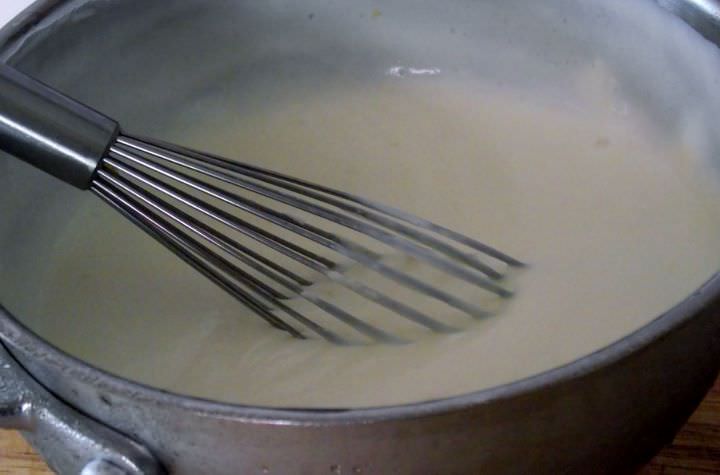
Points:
point(617, 212)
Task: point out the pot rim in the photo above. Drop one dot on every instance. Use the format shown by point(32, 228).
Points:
point(17, 336)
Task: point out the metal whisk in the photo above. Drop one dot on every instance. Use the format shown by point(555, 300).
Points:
point(194, 202)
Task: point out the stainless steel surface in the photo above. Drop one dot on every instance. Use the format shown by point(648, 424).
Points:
point(703, 15)
point(75, 444)
point(605, 413)
point(50, 131)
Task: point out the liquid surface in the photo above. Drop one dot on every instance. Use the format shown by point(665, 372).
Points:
point(616, 223)
point(612, 204)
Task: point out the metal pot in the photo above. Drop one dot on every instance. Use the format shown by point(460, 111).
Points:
point(608, 412)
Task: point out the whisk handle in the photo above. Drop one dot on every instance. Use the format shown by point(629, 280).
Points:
point(51, 131)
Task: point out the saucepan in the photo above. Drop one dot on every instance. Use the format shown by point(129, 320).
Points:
point(607, 412)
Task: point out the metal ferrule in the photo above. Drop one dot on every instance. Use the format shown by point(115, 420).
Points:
point(51, 131)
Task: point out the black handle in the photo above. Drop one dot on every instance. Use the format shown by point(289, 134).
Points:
point(51, 131)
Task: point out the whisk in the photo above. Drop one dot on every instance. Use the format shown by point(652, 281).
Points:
point(194, 202)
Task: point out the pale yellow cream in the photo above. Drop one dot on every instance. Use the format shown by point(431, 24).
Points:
point(617, 220)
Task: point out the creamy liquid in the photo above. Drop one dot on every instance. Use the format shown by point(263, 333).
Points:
point(617, 222)
point(613, 204)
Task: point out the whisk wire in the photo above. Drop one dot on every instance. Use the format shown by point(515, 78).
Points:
point(324, 193)
point(134, 166)
point(238, 251)
point(189, 163)
point(372, 261)
point(343, 246)
point(389, 239)
point(175, 242)
point(276, 243)
point(195, 253)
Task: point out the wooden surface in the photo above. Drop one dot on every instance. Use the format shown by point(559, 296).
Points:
point(696, 450)
point(17, 458)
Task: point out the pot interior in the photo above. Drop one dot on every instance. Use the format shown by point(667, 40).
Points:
point(184, 69)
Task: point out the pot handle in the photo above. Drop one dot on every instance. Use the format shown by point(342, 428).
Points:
point(78, 444)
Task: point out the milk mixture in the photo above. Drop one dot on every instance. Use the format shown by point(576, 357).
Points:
point(618, 217)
